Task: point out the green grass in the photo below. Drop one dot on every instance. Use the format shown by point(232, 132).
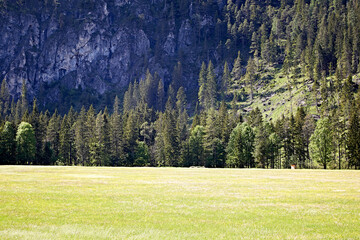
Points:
point(172, 203)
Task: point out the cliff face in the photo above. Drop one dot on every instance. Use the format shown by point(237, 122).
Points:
point(88, 50)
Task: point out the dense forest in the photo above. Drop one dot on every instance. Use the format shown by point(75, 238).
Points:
point(142, 136)
point(312, 43)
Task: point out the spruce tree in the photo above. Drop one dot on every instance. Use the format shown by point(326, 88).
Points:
point(64, 141)
point(353, 136)
point(116, 134)
point(24, 104)
point(52, 135)
point(236, 72)
point(34, 120)
point(8, 144)
point(81, 142)
point(225, 81)
point(160, 96)
point(210, 87)
point(202, 85)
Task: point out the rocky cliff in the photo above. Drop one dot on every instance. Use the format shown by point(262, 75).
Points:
point(81, 52)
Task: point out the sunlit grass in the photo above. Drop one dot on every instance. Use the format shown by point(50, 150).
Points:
point(171, 203)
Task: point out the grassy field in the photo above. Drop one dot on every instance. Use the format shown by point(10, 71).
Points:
point(171, 203)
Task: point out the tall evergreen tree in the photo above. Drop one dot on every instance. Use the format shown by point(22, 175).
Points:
point(353, 136)
point(210, 87)
point(8, 144)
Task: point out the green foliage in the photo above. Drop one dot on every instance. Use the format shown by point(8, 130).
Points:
point(142, 155)
point(8, 144)
point(321, 147)
point(196, 147)
point(240, 150)
point(353, 137)
point(25, 143)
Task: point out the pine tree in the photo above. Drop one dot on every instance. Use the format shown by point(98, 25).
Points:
point(44, 158)
point(170, 135)
point(90, 130)
point(127, 102)
point(180, 100)
point(202, 85)
point(353, 136)
point(64, 141)
point(210, 87)
point(236, 72)
point(212, 133)
point(24, 104)
point(81, 142)
point(299, 141)
point(142, 155)
point(177, 77)
point(39, 133)
point(8, 144)
point(4, 99)
point(261, 145)
point(160, 96)
point(52, 135)
point(116, 134)
point(158, 150)
point(235, 149)
point(196, 147)
point(131, 134)
point(251, 76)
point(224, 124)
point(225, 81)
point(17, 116)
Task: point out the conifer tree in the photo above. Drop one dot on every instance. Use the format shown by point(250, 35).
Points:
point(81, 142)
point(52, 135)
point(225, 81)
point(64, 141)
point(236, 72)
point(116, 134)
point(8, 144)
point(4, 99)
point(251, 76)
point(127, 102)
point(224, 124)
point(160, 96)
point(17, 116)
point(210, 87)
point(131, 134)
point(202, 85)
point(353, 136)
point(177, 76)
point(170, 135)
point(142, 155)
point(34, 120)
point(24, 104)
point(196, 147)
point(235, 149)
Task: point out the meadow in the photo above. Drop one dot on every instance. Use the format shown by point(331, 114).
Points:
point(177, 203)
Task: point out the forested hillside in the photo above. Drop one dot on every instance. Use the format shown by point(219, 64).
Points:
point(205, 83)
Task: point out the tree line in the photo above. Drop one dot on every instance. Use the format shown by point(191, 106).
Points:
point(144, 133)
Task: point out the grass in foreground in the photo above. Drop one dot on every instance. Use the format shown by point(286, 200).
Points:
point(170, 203)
